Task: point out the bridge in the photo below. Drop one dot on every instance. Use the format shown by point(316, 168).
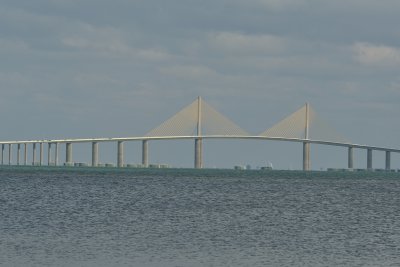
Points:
point(199, 121)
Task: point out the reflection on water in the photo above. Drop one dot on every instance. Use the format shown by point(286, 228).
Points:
point(86, 217)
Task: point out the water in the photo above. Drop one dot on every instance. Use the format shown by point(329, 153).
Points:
point(113, 217)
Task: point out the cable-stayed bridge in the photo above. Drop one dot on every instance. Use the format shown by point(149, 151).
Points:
point(200, 121)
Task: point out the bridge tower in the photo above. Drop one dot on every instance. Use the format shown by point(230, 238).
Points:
point(306, 145)
point(196, 120)
point(306, 125)
point(198, 142)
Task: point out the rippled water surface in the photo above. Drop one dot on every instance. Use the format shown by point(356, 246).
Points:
point(111, 217)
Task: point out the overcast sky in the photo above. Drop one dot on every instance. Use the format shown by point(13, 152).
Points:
point(97, 68)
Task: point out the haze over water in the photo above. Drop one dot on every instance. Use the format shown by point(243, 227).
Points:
point(182, 217)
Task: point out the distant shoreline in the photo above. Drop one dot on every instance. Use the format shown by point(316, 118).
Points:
point(183, 169)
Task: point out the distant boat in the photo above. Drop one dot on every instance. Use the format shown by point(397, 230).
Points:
point(268, 167)
point(270, 164)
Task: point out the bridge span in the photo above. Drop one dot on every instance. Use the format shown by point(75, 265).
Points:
point(206, 123)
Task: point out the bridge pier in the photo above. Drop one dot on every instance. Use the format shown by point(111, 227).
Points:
point(198, 153)
point(56, 154)
point(95, 154)
point(48, 154)
point(18, 153)
point(387, 161)
point(2, 154)
point(369, 159)
point(350, 161)
point(40, 154)
point(306, 156)
point(34, 154)
point(120, 154)
point(25, 153)
point(68, 154)
point(9, 154)
point(145, 153)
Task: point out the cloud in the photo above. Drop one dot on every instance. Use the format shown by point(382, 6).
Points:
point(106, 39)
point(12, 79)
point(110, 42)
point(7, 45)
point(189, 71)
point(395, 87)
point(96, 80)
point(239, 43)
point(376, 55)
point(273, 5)
point(280, 4)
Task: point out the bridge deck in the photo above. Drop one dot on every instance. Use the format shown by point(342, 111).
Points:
point(140, 138)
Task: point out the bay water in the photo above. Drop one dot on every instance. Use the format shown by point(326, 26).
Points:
point(59, 216)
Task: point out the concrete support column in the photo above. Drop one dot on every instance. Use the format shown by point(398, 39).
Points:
point(9, 154)
point(387, 160)
point(68, 153)
point(34, 154)
point(41, 154)
point(95, 154)
point(49, 154)
point(369, 159)
point(56, 155)
point(145, 153)
point(198, 153)
point(350, 160)
point(120, 154)
point(306, 156)
point(2, 154)
point(25, 153)
point(18, 153)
